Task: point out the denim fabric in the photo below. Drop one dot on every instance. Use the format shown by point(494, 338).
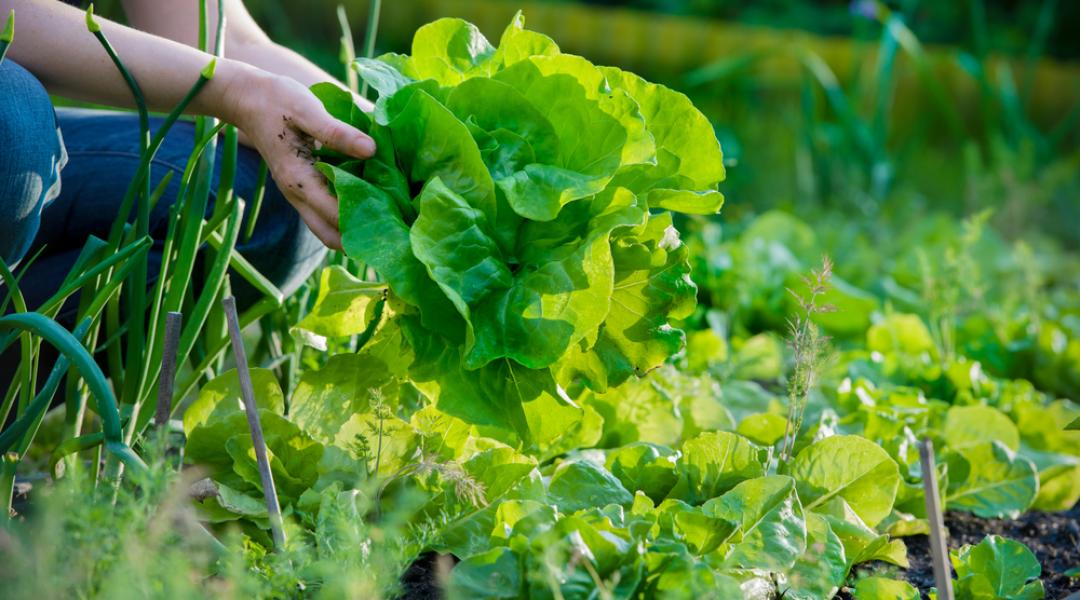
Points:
point(31, 156)
point(103, 155)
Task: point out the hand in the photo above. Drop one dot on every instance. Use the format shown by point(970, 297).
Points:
point(283, 120)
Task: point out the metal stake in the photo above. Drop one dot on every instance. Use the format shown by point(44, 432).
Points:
point(257, 440)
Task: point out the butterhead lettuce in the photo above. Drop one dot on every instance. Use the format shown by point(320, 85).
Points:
point(519, 209)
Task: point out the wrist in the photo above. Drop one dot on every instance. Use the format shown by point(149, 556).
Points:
point(230, 90)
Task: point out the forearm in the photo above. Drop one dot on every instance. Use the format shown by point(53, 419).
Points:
point(277, 59)
point(53, 43)
point(244, 39)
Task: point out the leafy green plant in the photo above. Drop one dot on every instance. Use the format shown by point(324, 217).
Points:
point(517, 210)
point(997, 568)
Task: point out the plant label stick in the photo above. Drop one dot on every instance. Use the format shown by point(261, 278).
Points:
point(173, 321)
point(248, 394)
point(938, 550)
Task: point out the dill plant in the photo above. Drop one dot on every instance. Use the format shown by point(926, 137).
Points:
point(810, 348)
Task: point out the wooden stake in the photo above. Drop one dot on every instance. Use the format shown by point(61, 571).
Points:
point(173, 321)
point(252, 411)
point(938, 548)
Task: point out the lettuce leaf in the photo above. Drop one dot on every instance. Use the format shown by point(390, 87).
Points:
point(519, 210)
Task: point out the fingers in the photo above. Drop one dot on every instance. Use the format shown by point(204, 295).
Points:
point(327, 233)
point(335, 134)
point(306, 189)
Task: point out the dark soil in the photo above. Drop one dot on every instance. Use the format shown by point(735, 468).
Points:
point(423, 579)
point(1053, 537)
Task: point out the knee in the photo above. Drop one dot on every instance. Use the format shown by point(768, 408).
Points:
point(27, 120)
point(31, 161)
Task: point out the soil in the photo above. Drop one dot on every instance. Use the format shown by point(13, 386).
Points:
point(423, 579)
point(1053, 537)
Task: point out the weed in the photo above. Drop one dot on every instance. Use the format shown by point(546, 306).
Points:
point(810, 350)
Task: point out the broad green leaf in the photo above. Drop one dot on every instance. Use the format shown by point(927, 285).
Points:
point(851, 468)
point(551, 306)
point(714, 462)
point(559, 426)
point(1045, 427)
point(390, 442)
point(685, 201)
point(498, 469)
point(493, 395)
point(448, 50)
point(770, 531)
point(990, 480)
point(608, 545)
point(342, 305)
point(429, 142)
point(901, 333)
point(341, 105)
point(326, 399)
point(639, 147)
point(997, 568)
point(206, 447)
point(526, 518)
point(676, 575)
point(453, 240)
point(688, 154)
point(644, 467)
point(759, 357)
point(652, 286)
point(883, 588)
point(637, 412)
point(232, 505)
point(294, 457)
point(518, 43)
point(580, 484)
point(590, 141)
point(218, 415)
point(1059, 485)
point(862, 543)
point(821, 569)
point(468, 535)
point(704, 348)
point(493, 106)
point(971, 425)
point(380, 75)
point(764, 429)
point(221, 396)
point(374, 232)
point(496, 573)
point(702, 533)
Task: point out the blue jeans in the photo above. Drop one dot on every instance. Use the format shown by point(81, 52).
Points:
point(52, 207)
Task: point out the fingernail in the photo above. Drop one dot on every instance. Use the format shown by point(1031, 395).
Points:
point(368, 146)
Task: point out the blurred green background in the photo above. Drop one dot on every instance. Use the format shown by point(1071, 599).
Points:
point(888, 110)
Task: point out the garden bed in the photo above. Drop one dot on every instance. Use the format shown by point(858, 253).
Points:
point(1053, 537)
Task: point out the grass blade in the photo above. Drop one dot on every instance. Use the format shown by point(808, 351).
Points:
point(7, 35)
point(370, 33)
